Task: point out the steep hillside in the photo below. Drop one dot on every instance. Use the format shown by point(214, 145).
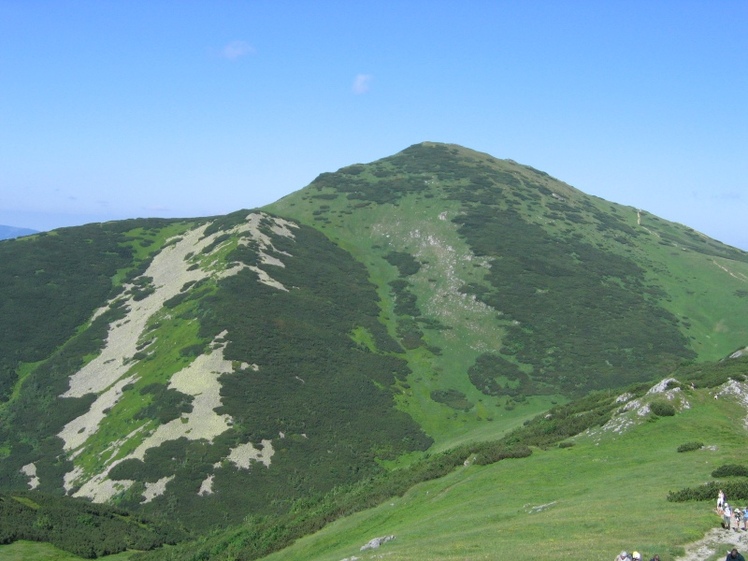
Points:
point(224, 373)
point(77, 526)
point(217, 368)
point(502, 282)
point(609, 476)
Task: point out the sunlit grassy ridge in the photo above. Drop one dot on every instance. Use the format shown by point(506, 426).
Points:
point(577, 292)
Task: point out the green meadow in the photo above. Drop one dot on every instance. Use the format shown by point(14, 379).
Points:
point(604, 494)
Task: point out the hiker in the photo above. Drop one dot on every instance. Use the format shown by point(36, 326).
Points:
point(655, 558)
point(734, 556)
point(623, 556)
point(636, 556)
point(738, 515)
point(720, 498)
point(745, 518)
point(726, 516)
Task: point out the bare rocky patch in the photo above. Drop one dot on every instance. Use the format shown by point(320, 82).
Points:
point(243, 454)
point(29, 470)
point(448, 265)
point(635, 411)
point(153, 490)
point(111, 371)
point(716, 540)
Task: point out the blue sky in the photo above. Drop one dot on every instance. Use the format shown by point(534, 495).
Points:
point(112, 110)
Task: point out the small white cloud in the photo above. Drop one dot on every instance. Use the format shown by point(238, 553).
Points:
point(362, 83)
point(728, 196)
point(237, 49)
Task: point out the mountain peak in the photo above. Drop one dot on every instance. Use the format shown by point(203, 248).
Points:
point(216, 367)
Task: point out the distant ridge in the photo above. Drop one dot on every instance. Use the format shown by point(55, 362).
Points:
point(8, 232)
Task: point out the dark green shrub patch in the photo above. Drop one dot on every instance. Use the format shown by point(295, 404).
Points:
point(406, 264)
point(166, 405)
point(498, 451)
point(452, 398)
point(78, 526)
point(142, 287)
point(555, 289)
point(131, 468)
point(662, 408)
point(690, 447)
point(736, 491)
point(492, 374)
point(409, 334)
point(192, 350)
point(51, 285)
point(730, 470)
point(405, 300)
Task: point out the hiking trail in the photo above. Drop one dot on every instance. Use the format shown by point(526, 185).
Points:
point(713, 541)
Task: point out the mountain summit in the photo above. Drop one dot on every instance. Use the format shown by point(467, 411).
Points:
point(550, 289)
point(215, 367)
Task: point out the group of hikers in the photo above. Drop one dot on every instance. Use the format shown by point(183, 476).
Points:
point(623, 556)
point(636, 556)
point(733, 518)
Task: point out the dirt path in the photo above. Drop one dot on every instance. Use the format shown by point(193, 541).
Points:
point(715, 541)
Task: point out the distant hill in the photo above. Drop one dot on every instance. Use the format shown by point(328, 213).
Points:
point(7, 232)
point(220, 368)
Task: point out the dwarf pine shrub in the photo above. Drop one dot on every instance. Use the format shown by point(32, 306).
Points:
point(728, 470)
point(690, 447)
point(662, 409)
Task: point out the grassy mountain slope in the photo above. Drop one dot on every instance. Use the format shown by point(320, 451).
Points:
point(212, 369)
point(502, 282)
point(225, 347)
point(565, 503)
point(590, 496)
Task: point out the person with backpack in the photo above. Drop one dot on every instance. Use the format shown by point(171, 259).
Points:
point(734, 556)
point(726, 517)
